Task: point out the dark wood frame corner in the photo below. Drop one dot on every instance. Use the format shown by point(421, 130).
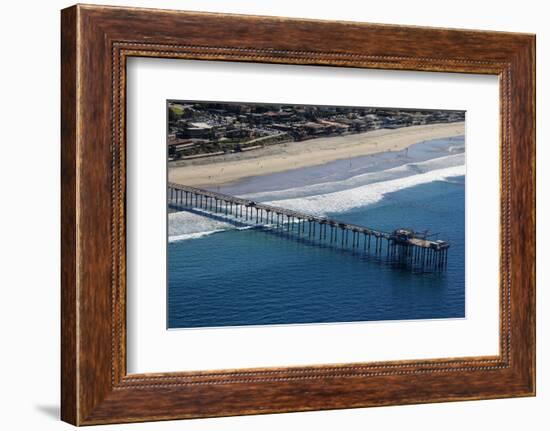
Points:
point(96, 41)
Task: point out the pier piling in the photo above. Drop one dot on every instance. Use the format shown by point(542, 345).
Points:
point(402, 246)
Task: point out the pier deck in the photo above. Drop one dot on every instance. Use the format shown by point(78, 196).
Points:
point(401, 245)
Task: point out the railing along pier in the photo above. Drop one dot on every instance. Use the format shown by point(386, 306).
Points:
point(401, 246)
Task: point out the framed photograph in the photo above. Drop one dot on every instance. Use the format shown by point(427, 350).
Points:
point(264, 214)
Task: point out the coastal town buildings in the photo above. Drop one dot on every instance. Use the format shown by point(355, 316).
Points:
point(199, 129)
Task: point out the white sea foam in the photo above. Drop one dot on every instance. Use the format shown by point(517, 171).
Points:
point(345, 200)
point(185, 225)
point(183, 237)
point(408, 169)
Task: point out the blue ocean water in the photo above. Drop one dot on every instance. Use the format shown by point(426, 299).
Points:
point(255, 277)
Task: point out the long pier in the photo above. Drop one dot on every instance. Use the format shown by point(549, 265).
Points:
point(402, 246)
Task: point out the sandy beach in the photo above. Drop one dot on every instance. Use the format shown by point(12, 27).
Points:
point(231, 168)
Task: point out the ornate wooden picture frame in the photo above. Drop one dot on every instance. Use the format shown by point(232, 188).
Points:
point(96, 42)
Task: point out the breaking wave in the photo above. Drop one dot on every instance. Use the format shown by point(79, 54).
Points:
point(345, 200)
point(329, 197)
point(185, 225)
point(402, 171)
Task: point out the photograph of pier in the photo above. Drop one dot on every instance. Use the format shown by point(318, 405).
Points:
point(303, 214)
